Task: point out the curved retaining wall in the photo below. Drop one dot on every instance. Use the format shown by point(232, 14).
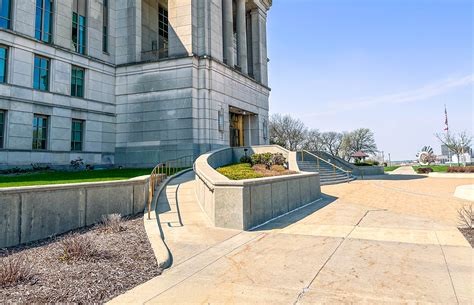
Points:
point(245, 204)
point(36, 212)
point(367, 170)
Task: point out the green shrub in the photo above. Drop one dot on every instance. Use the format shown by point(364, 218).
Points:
point(268, 159)
point(245, 159)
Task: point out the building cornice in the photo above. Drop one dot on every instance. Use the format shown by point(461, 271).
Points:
point(267, 3)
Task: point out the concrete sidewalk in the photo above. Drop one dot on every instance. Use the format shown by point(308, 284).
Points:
point(403, 170)
point(358, 245)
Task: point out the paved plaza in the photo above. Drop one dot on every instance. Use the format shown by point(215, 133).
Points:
point(391, 239)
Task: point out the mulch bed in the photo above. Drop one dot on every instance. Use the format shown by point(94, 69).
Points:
point(125, 259)
point(468, 234)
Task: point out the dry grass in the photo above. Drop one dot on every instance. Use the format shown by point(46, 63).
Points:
point(466, 217)
point(76, 246)
point(15, 270)
point(275, 170)
point(119, 262)
point(112, 223)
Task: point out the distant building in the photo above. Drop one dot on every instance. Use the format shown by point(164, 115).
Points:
point(448, 157)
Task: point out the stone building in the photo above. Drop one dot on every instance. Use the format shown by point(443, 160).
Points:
point(130, 82)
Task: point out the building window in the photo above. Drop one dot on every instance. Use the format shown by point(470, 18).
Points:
point(77, 81)
point(163, 32)
point(5, 14)
point(105, 24)
point(40, 131)
point(79, 26)
point(44, 20)
point(2, 127)
point(77, 132)
point(3, 64)
point(41, 75)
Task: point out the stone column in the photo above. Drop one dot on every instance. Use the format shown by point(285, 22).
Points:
point(259, 45)
point(228, 31)
point(242, 35)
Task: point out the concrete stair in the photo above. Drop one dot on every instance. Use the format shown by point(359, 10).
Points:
point(326, 172)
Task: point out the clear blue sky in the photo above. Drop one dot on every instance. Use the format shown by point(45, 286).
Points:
point(389, 65)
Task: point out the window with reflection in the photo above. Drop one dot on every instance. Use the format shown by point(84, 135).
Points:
point(44, 20)
point(5, 14)
point(79, 25)
point(41, 74)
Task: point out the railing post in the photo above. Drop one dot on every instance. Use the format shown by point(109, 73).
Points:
point(150, 194)
point(302, 155)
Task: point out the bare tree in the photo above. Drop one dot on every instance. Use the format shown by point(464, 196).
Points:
point(346, 150)
point(287, 131)
point(362, 139)
point(458, 144)
point(331, 142)
point(313, 141)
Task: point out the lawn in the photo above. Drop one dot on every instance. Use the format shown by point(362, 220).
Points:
point(60, 177)
point(239, 171)
point(436, 168)
point(242, 171)
point(390, 168)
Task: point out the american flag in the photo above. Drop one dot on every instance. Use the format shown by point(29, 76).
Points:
point(446, 127)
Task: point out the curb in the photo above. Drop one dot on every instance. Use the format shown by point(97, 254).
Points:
point(153, 227)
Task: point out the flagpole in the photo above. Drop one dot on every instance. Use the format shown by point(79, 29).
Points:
point(446, 123)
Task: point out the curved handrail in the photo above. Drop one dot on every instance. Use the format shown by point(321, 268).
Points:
point(163, 171)
point(332, 164)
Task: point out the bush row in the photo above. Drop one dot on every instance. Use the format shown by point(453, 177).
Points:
point(461, 169)
point(267, 159)
point(424, 170)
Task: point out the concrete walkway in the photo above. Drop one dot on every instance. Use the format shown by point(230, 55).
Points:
point(403, 170)
point(371, 241)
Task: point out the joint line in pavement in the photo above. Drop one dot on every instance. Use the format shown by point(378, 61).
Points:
point(306, 289)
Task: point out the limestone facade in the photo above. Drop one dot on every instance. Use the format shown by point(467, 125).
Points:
point(160, 79)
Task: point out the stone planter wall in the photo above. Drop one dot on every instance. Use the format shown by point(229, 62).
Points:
point(245, 204)
point(36, 212)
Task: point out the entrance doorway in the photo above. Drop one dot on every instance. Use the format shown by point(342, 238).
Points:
point(243, 127)
point(236, 129)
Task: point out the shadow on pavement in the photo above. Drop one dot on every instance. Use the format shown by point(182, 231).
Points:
point(297, 215)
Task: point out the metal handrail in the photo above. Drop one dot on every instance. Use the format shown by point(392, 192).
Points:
point(348, 172)
point(163, 171)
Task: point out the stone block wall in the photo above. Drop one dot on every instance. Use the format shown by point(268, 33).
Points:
point(248, 203)
point(29, 214)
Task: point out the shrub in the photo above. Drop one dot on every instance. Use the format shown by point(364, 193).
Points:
point(245, 159)
point(424, 170)
point(268, 159)
point(278, 159)
point(14, 270)
point(77, 164)
point(76, 247)
point(466, 217)
point(112, 223)
point(461, 169)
